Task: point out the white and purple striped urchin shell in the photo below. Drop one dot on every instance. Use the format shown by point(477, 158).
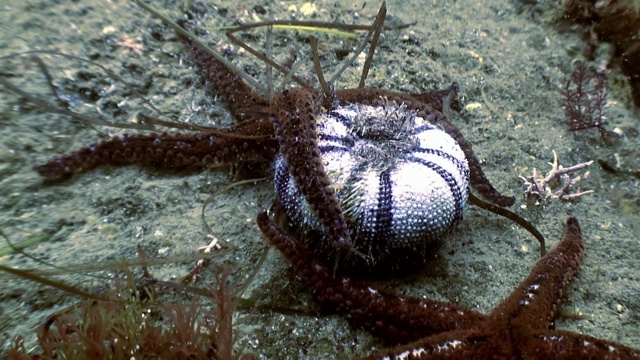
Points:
point(402, 183)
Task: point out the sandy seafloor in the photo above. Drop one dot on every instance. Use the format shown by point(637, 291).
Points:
point(511, 50)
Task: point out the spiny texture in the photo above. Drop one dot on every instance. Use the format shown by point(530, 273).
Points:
point(297, 134)
point(376, 97)
point(167, 151)
point(519, 327)
point(284, 125)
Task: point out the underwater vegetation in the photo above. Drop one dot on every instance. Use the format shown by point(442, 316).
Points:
point(584, 98)
point(615, 22)
point(134, 320)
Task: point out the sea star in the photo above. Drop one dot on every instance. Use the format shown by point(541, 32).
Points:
point(520, 327)
point(284, 127)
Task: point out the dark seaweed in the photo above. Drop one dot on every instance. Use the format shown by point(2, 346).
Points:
point(584, 97)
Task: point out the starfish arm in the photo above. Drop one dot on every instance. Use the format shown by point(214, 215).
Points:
point(393, 318)
point(379, 97)
point(534, 303)
point(477, 179)
point(519, 327)
point(296, 130)
point(436, 99)
point(458, 344)
point(548, 344)
point(238, 96)
point(175, 152)
point(483, 344)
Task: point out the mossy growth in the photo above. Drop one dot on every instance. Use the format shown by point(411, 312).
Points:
point(134, 323)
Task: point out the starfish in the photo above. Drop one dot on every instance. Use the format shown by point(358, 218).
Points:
point(520, 327)
point(286, 127)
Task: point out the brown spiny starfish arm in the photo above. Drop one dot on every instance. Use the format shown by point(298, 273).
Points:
point(171, 152)
point(465, 344)
point(520, 327)
point(484, 344)
point(535, 301)
point(295, 127)
point(431, 100)
point(566, 345)
point(377, 97)
point(391, 317)
point(437, 98)
point(241, 100)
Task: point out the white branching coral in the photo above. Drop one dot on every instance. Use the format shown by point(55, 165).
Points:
point(557, 184)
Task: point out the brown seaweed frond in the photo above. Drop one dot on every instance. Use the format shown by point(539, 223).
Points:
point(131, 323)
point(616, 22)
point(584, 98)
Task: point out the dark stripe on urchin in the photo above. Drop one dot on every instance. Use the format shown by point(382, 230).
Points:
point(342, 140)
point(422, 128)
point(448, 178)
point(326, 148)
point(340, 117)
point(457, 162)
point(384, 216)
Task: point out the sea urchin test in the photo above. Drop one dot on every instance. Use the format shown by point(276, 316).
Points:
point(402, 183)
